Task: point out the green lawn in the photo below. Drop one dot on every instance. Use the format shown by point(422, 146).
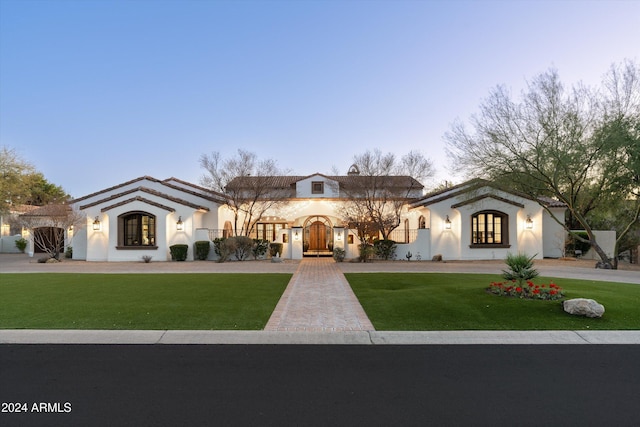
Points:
point(139, 301)
point(439, 301)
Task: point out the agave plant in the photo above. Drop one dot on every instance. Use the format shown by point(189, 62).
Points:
point(520, 268)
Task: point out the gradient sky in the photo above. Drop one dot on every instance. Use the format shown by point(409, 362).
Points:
point(95, 93)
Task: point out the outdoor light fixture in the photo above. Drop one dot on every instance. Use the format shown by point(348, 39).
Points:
point(180, 224)
point(339, 236)
point(96, 224)
point(528, 224)
point(296, 235)
point(447, 223)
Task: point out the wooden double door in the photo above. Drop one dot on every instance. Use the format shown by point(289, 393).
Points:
point(317, 234)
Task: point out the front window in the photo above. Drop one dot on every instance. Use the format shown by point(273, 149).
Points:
point(317, 187)
point(489, 228)
point(268, 231)
point(137, 229)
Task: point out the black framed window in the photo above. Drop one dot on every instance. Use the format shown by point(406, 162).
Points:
point(489, 228)
point(317, 187)
point(137, 229)
point(268, 230)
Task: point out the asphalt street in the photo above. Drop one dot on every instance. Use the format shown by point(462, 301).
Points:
point(319, 385)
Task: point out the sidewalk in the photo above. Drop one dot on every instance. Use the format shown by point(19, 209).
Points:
point(32, 336)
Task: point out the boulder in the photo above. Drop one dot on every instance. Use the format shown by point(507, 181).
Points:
point(583, 307)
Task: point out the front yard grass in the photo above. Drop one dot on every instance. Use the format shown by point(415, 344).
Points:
point(139, 301)
point(440, 301)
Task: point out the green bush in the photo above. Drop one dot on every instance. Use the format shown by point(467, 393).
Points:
point(68, 253)
point(202, 248)
point(179, 252)
point(338, 254)
point(260, 247)
point(366, 252)
point(275, 249)
point(21, 244)
point(385, 249)
point(520, 268)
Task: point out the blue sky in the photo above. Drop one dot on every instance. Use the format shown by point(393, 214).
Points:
point(95, 93)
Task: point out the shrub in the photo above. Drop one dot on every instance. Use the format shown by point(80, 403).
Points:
point(21, 244)
point(385, 249)
point(202, 248)
point(146, 258)
point(179, 252)
point(260, 247)
point(224, 247)
point(275, 249)
point(244, 246)
point(366, 252)
point(520, 268)
point(338, 254)
point(69, 252)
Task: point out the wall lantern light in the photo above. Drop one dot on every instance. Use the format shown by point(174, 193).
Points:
point(339, 236)
point(447, 223)
point(96, 224)
point(528, 224)
point(180, 224)
point(296, 235)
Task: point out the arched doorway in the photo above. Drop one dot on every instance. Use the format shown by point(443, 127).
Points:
point(318, 236)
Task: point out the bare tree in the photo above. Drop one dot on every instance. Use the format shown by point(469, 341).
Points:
point(48, 225)
point(251, 186)
point(379, 187)
point(565, 144)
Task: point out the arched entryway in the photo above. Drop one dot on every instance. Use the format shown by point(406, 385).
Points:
point(318, 236)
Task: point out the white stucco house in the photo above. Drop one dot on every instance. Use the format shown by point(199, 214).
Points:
point(474, 220)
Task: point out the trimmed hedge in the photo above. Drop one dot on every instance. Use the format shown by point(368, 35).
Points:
point(201, 249)
point(179, 252)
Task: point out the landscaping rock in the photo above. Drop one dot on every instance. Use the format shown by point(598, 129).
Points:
point(437, 258)
point(583, 307)
point(276, 259)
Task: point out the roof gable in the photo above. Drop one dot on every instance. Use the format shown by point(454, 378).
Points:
point(146, 190)
point(475, 185)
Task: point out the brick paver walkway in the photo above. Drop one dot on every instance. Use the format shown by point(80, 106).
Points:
point(318, 298)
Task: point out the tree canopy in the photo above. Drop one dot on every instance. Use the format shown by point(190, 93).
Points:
point(247, 186)
point(579, 145)
point(21, 184)
point(386, 182)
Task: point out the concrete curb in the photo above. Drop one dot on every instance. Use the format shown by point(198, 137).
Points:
point(34, 336)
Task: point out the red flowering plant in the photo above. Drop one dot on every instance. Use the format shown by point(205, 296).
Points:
point(549, 291)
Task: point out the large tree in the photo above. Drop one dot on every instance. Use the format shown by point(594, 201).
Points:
point(13, 186)
point(250, 186)
point(379, 191)
point(21, 184)
point(577, 145)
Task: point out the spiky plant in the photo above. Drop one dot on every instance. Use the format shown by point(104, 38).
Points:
point(520, 268)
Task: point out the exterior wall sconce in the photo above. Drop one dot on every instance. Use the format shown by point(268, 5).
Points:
point(180, 224)
point(96, 224)
point(447, 223)
point(296, 235)
point(339, 236)
point(528, 224)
